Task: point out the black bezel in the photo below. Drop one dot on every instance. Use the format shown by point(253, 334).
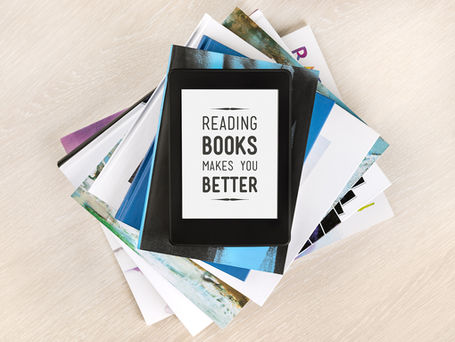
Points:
point(229, 232)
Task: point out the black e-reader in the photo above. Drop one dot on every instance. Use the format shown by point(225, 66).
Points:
point(229, 157)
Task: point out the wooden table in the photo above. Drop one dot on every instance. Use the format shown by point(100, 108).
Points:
point(65, 64)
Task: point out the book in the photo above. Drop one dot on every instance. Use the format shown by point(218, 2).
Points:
point(371, 184)
point(242, 25)
point(261, 21)
point(305, 49)
point(307, 52)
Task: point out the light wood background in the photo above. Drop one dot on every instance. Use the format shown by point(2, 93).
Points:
point(65, 64)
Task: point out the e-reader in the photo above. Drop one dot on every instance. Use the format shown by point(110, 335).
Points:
point(229, 157)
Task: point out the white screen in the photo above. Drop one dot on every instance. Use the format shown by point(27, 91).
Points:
point(229, 153)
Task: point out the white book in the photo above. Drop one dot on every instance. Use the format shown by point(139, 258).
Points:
point(258, 286)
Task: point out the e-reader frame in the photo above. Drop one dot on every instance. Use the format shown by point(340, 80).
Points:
point(229, 232)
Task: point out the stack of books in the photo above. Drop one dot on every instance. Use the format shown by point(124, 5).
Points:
point(122, 170)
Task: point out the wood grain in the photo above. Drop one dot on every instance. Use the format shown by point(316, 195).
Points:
point(64, 64)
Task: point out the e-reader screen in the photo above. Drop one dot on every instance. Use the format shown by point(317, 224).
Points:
point(229, 153)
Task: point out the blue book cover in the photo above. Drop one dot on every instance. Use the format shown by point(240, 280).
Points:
point(208, 44)
point(130, 211)
point(321, 109)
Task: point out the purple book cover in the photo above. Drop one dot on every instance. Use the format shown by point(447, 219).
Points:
point(73, 140)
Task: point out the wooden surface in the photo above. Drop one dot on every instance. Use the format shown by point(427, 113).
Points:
point(65, 64)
